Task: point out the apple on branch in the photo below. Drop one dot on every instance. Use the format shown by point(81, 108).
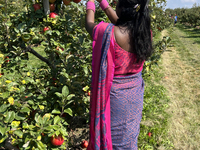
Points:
point(57, 140)
point(45, 29)
point(36, 6)
point(76, 1)
point(52, 7)
point(66, 2)
point(52, 1)
point(53, 15)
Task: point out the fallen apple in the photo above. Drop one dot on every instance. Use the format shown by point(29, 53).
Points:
point(149, 134)
point(84, 144)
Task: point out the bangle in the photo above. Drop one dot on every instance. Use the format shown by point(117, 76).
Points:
point(90, 5)
point(104, 4)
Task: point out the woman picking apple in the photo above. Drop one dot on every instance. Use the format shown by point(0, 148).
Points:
point(119, 51)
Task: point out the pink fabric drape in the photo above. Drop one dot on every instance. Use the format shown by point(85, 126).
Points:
point(100, 90)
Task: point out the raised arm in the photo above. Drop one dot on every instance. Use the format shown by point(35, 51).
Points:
point(89, 25)
point(109, 12)
point(90, 14)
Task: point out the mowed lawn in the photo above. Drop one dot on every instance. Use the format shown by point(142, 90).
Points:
point(181, 67)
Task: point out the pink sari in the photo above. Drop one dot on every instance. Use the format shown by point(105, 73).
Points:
point(102, 76)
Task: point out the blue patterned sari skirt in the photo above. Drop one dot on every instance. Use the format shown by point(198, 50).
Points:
point(126, 104)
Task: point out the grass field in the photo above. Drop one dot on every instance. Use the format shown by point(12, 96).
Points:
point(34, 60)
point(181, 66)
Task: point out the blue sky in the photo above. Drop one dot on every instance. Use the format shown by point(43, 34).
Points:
point(181, 3)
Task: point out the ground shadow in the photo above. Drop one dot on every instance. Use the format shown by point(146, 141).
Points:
point(191, 32)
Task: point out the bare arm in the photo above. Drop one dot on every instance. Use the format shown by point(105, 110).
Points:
point(111, 14)
point(90, 21)
point(90, 18)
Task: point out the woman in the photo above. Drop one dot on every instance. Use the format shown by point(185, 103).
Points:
point(119, 51)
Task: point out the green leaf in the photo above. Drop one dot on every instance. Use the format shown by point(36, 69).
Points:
point(69, 111)
point(65, 75)
point(5, 95)
point(17, 117)
point(86, 88)
point(10, 117)
point(58, 94)
point(4, 107)
point(48, 128)
point(31, 102)
point(70, 96)
point(56, 127)
point(25, 109)
point(55, 111)
point(19, 133)
point(40, 145)
point(3, 139)
point(57, 119)
point(65, 91)
point(2, 130)
point(85, 69)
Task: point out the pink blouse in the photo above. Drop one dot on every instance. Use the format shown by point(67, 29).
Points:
point(125, 62)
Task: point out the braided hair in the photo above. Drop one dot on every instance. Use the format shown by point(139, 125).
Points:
point(134, 16)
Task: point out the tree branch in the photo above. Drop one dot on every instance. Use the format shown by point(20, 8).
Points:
point(32, 51)
point(8, 144)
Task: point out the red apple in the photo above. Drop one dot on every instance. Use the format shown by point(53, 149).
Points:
point(58, 49)
point(53, 15)
point(66, 2)
point(7, 59)
point(84, 144)
point(63, 115)
point(52, 1)
point(89, 93)
point(36, 6)
point(43, 134)
point(45, 29)
point(26, 96)
point(57, 140)
point(149, 134)
point(52, 7)
point(76, 1)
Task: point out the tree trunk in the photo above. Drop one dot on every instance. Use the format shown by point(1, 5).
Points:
point(46, 6)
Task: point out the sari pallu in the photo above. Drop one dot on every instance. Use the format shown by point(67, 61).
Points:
point(102, 79)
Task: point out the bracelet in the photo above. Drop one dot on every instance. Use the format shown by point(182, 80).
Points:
point(90, 5)
point(104, 4)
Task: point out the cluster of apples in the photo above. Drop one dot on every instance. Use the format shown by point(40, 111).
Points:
point(52, 5)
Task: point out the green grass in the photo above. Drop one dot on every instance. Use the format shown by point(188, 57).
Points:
point(191, 32)
point(181, 65)
point(155, 118)
point(34, 60)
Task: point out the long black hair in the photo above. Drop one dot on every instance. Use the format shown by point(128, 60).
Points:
point(134, 15)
